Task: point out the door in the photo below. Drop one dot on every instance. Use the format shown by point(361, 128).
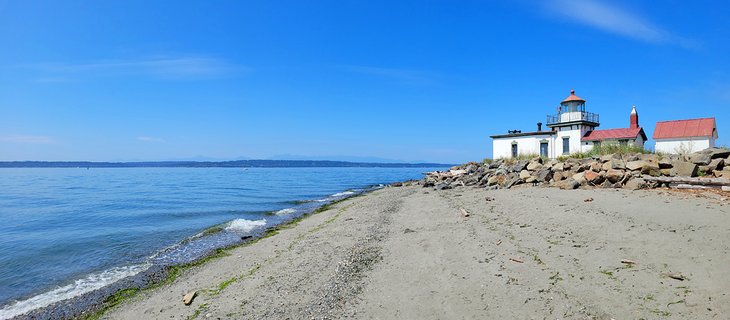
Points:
point(514, 150)
point(544, 149)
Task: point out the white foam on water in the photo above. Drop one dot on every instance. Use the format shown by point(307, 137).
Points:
point(285, 211)
point(79, 287)
point(342, 194)
point(245, 226)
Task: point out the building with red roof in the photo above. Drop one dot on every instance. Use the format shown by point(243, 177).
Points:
point(634, 134)
point(685, 136)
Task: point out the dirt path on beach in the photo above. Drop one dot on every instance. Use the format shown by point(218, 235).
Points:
point(527, 253)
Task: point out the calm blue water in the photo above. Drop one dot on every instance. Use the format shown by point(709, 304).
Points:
point(70, 230)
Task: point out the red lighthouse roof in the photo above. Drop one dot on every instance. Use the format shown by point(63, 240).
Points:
point(573, 97)
point(704, 127)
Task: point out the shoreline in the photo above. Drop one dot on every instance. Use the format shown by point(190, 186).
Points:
point(93, 303)
point(408, 252)
point(350, 268)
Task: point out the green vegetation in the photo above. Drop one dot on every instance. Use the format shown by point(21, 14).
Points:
point(212, 230)
point(608, 273)
point(198, 311)
point(661, 312)
point(607, 149)
point(613, 148)
point(537, 259)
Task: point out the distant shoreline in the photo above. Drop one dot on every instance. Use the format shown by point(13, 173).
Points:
point(215, 164)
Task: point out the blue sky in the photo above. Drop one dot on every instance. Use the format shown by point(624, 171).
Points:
point(408, 80)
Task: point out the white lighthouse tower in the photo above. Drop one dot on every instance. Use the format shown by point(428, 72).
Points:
point(570, 124)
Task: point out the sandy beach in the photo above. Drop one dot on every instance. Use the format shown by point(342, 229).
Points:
point(525, 253)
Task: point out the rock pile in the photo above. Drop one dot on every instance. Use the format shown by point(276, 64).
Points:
point(608, 171)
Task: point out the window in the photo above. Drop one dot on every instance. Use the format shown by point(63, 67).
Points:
point(543, 149)
point(566, 145)
point(514, 150)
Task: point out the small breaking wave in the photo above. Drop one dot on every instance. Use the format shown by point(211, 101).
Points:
point(244, 225)
point(285, 211)
point(343, 194)
point(77, 288)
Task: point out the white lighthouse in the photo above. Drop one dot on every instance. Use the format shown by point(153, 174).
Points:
point(572, 123)
point(572, 129)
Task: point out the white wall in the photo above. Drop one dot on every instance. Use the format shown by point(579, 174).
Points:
point(502, 147)
point(685, 144)
point(575, 133)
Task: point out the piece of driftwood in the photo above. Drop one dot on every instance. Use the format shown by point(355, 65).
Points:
point(627, 261)
point(188, 298)
point(516, 260)
point(675, 275)
point(588, 200)
point(692, 187)
point(464, 213)
point(692, 181)
point(499, 242)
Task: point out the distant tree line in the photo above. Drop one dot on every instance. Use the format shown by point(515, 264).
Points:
point(212, 164)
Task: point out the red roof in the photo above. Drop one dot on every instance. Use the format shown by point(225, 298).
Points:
point(704, 127)
point(609, 134)
point(573, 97)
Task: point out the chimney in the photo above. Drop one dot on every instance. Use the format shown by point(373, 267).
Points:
point(634, 119)
point(539, 126)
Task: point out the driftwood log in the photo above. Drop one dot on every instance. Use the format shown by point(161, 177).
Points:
point(718, 182)
point(691, 187)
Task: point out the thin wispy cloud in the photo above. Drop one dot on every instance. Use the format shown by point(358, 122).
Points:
point(27, 139)
point(404, 76)
point(150, 139)
point(612, 18)
point(166, 68)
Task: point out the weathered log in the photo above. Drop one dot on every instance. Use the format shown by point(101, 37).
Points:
point(692, 181)
point(691, 187)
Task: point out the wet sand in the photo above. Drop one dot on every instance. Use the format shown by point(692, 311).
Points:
point(524, 253)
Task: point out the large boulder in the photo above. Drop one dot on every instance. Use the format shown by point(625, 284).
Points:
point(636, 184)
point(704, 157)
point(596, 166)
point(614, 164)
point(519, 166)
point(684, 169)
point(717, 164)
point(580, 178)
point(534, 166)
point(558, 166)
point(497, 180)
point(568, 184)
point(652, 169)
point(513, 182)
point(594, 178)
point(524, 174)
point(544, 175)
point(700, 158)
point(635, 165)
point(665, 163)
point(614, 176)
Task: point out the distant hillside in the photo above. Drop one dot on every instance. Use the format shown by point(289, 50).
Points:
point(212, 164)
